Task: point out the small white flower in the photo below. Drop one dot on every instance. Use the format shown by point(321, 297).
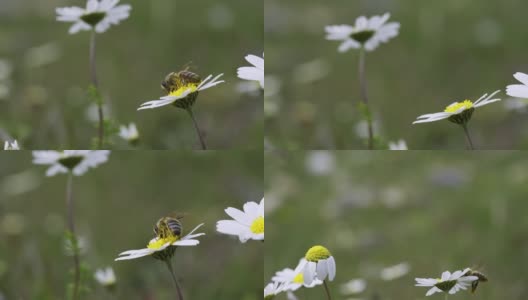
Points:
point(294, 279)
point(458, 112)
point(129, 133)
point(519, 90)
point(318, 263)
point(77, 161)
point(399, 145)
point(395, 272)
point(367, 33)
point(253, 73)
point(97, 15)
point(11, 145)
point(247, 224)
point(188, 90)
point(272, 289)
point(448, 283)
point(354, 286)
point(320, 162)
point(105, 277)
point(158, 244)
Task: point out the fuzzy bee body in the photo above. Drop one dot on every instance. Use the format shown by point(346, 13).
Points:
point(480, 278)
point(168, 226)
point(175, 80)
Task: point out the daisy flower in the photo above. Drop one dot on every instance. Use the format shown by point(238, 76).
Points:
point(272, 289)
point(11, 145)
point(184, 95)
point(519, 90)
point(130, 133)
point(448, 283)
point(399, 145)
point(318, 263)
point(98, 15)
point(458, 112)
point(294, 279)
point(105, 277)
point(367, 33)
point(163, 247)
point(76, 161)
point(253, 73)
point(247, 224)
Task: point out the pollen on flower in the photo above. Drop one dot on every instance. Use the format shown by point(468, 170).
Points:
point(299, 278)
point(257, 226)
point(178, 92)
point(466, 104)
point(158, 243)
point(317, 253)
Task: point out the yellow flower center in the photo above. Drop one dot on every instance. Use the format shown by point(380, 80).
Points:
point(299, 278)
point(257, 226)
point(158, 243)
point(466, 104)
point(178, 92)
point(316, 253)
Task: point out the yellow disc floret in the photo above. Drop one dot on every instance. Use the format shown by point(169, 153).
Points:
point(299, 278)
point(317, 253)
point(191, 87)
point(159, 242)
point(466, 104)
point(257, 227)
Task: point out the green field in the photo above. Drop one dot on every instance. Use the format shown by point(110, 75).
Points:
point(47, 100)
point(446, 51)
point(438, 212)
point(117, 205)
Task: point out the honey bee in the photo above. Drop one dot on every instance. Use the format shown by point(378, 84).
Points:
point(169, 226)
point(175, 80)
point(480, 278)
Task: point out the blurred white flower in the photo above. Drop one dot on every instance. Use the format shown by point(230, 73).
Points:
point(76, 161)
point(311, 71)
point(395, 272)
point(97, 15)
point(354, 286)
point(11, 145)
point(294, 279)
point(158, 245)
point(105, 277)
point(184, 92)
point(272, 289)
point(362, 128)
point(320, 162)
point(399, 145)
point(318, 263)
point(129, 134)
point(247, 224)
point(449, 283)
point(253, 73)
point(516, 104)
point(458, 112)
point(519, 90)
point(367, 33)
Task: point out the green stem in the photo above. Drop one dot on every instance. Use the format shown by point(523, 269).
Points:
point(327, 290)
point(200, 137)
point(468, 137)
point(178, 288)
point(364, 97)
point(93, 77)
point(71, 228)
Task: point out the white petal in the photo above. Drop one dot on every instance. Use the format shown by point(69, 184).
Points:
point(523, 78)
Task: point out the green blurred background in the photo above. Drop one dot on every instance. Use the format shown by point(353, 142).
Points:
point(447, 51)
point(44, 73)
point(433, 211)
point(117, 205)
